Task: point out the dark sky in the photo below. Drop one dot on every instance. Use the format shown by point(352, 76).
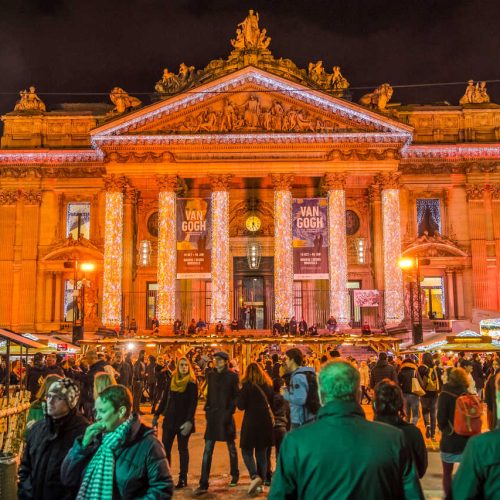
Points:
point(74, 46)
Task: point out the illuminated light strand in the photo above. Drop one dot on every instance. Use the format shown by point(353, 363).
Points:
point(393, 275)
point(167, 255)
point(337, 256)
point(283, 255)
point(220, 257)
point(113, 260)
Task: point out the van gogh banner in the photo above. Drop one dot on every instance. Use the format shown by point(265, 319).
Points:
point(310, 238)
point(194, 238)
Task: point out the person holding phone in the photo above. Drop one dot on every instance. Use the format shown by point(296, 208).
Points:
point(178, 407)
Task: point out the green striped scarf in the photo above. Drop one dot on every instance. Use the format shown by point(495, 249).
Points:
point(99, 475)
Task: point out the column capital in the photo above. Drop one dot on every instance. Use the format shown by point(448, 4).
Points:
point(495, 192)
point(9, 196)
point(334, 181)
point(474, 192)
point(115, 183)
point(220, 182)
point(282, 182)
point(32, 197)
point(388, 180)
point(167, 182)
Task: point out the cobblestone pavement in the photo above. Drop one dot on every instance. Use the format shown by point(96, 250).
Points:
point(219, 478)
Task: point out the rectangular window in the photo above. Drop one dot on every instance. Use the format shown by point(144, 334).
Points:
point(428, 216)
point(78, 220)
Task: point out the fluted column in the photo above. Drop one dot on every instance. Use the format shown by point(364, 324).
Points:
point(130, 199)
point(377, 236)
point(167, 251)
point(113, 250)
point(391, 230)
point(495, 213)
point(337, 248)
point(450, 293)
point(220, 249)
point(283, 249)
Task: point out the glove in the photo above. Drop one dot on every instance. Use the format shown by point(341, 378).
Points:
point(155, 421)
point(186, 427)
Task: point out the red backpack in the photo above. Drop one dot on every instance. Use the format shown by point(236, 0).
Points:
point(467, 417)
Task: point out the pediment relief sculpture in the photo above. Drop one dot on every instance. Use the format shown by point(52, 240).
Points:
point(248, 112)
point(435, 245)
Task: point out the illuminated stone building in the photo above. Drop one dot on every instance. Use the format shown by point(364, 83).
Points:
point(241, 139)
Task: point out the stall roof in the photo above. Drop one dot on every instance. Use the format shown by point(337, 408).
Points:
point(19, 340)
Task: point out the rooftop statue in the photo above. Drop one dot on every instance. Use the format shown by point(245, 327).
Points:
point(29, 101)
point(171, 83)
point(475, 94)
point(122, 101)
point(379, 98)
point(249, 36)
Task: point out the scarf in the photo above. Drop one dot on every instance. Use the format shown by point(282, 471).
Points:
point(99, 475)
point(178, 383)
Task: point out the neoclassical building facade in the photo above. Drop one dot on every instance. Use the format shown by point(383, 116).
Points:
point(249, 184)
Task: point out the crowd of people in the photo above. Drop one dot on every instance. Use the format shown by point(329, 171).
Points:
point(85, 437)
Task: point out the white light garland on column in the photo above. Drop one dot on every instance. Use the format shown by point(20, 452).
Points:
point(283, 248)
point(337, 256)
point(167, 257)
point(113, 260)
point(393, 275)
point(220, 251)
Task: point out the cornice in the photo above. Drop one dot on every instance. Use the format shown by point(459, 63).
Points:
point(50, 157)
point(452, 152)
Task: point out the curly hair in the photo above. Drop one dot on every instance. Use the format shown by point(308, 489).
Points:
point(458, 378)
point(388, 399)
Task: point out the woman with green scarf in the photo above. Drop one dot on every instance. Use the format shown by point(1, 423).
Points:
point(178, 406)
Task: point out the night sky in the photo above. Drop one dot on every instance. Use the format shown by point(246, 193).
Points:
point(75, 46)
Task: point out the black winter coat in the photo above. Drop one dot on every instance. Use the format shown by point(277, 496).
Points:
point(32, 378)
point(450, 442)
point(141, 467)
point(407, 372)
point(382, 370)
point(222, 393)
point(257, 426)
point(47, 444)
point(281, 411)
point(125, 371)
point(424, 371)
point(178, 407)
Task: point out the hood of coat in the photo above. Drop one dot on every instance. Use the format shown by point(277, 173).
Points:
point(408, 364)
point(138, 430)
point(303, 369)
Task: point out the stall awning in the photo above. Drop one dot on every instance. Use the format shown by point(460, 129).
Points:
point(6, 335)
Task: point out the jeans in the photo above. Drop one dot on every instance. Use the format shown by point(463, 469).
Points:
point(137, 389)
point(429, 409)
point(207, 461)
point(259, 469)
point(167, 438)
point(412, 407)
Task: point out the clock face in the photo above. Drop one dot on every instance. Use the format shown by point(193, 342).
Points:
point(253, 223)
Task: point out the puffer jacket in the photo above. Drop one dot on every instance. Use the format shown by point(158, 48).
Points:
point(141, 467)
point(296, 395)
point(382, 370)
point(407, 372)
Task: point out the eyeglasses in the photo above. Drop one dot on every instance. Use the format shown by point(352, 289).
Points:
point(55, 397)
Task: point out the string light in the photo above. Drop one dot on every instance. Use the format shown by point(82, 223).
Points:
point(393, 275)
point(337, 256)
point(220, 257)
point(283, 254)
point(167, 254)
point(113, 256)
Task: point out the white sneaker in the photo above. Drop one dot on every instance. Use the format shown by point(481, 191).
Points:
point(255, 483)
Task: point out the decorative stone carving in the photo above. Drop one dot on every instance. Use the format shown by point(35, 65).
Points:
point(32, 197)
point(474, 192)
point(388, 180)
point(379, 98)
point(9, 197)
point(171, 83)
point(475, 94)
point(29, 101)
point(139, 157)
point(495, 192)
point(282, 182)
point(220, 182)
point(249, 36)
point(122, 101)
point(239, 212)
point(115, 183)
point(334, 181)
point(167, 182)
point(435, 245)
point(374, 193)
point(334, 81)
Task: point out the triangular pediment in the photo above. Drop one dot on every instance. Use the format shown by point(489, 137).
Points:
point(250, 102)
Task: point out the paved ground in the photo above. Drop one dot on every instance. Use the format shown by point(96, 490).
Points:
point(220, 477)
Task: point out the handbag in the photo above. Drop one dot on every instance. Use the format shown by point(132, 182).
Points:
point(416, 388)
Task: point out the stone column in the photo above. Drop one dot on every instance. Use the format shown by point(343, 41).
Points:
point(393, 275)
point(337, 248)
point(58, 297)
point(495, 214)
point(220, 250)
point(283, 249)
point(167, 251)
point(113, 250)
point(377, 236)
point(450, 293)
point(130, 198)
point(460, 309)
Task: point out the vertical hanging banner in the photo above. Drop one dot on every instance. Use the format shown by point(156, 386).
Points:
point(194, 238)
point(310, 238)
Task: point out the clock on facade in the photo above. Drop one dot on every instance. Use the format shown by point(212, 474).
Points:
point(253, 223)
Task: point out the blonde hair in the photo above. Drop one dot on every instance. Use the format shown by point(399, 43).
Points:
point(458, 377)
point(45, 386)
point(256, 375)
point(101, 381)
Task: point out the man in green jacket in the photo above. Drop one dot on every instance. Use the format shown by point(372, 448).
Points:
point(342, 455)
point(478, 476)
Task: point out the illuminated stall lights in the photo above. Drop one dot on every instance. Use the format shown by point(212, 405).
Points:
point(220, 257)
point(393, 275)
point(283, 254)
point(337, 256)
point(167, 255)
point(113, 260)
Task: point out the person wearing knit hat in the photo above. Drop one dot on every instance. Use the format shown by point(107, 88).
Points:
point(49, 441)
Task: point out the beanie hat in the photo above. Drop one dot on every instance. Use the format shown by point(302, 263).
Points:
point(66, 389)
